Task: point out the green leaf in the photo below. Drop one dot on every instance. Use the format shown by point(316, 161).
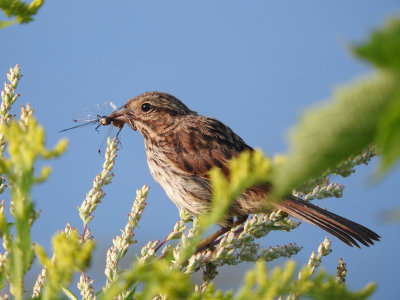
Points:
point(22, 11)
point(383, 47)
point(260, 284)
point(157, 278)
point(69, 293)
point(131, 293)
point(70, 256)
point(331, 133)
point(388, 136)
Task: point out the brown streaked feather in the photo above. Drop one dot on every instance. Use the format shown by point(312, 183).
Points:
point(182, 147)
point(196, 157)
point(344, 229)
point(200, 148)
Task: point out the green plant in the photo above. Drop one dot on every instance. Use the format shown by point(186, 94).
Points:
point(22, 12)
point(162, 268)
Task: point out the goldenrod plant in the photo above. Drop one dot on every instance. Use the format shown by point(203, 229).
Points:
point(23, 141)
point(21, 11)
point(162, 269)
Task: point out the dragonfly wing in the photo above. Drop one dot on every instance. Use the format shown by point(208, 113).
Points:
point(114, 107)
point(86, 115)
point(93, 115)
point(94, 112)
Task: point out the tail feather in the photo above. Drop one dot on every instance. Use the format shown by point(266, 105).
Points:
point(323, 225)
point(345, 230)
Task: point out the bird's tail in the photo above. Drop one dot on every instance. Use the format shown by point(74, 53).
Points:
point(342, 228)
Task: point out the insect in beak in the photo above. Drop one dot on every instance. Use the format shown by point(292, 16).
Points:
point(121, 116)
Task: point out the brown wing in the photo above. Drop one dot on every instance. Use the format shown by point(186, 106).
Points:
point(204, 143)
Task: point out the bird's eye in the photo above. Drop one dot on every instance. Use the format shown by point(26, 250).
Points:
point(146, 107)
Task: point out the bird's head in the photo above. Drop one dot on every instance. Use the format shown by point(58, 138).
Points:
point(151, 113)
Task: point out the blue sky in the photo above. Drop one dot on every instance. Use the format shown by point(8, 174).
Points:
point(255, 65)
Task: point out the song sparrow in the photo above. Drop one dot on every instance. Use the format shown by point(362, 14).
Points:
point(182, 146)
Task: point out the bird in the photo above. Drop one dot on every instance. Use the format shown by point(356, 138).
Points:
point(181, 148)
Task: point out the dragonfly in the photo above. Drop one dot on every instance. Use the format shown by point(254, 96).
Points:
point(95, 115)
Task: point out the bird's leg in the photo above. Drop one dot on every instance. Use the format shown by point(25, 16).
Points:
point(208, 242)
point(211, 240)
point(118, 140)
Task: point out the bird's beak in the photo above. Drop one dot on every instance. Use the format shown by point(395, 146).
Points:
point(121, 116)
